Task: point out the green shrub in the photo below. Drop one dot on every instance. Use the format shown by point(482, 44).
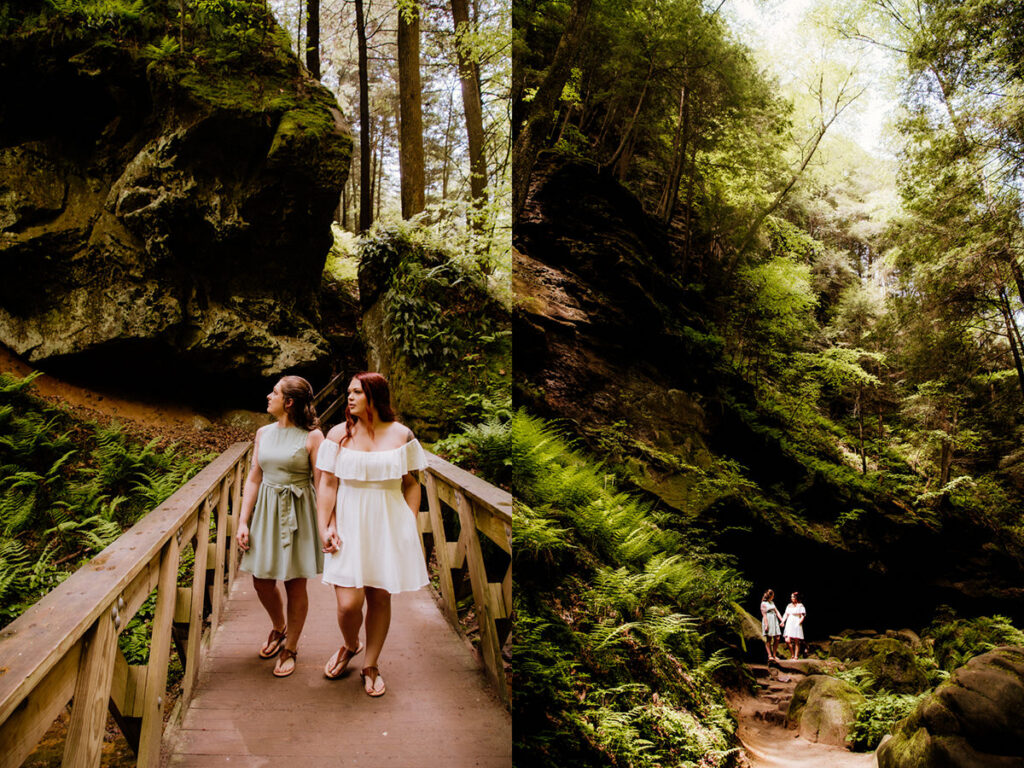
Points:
point(877, 716)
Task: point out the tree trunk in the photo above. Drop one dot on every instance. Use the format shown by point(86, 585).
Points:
point(472, 107)
point(313, 37)
point(628, 134)
point(365, 200)
point(859, 407)
point(542, 109)
point(670, 194)
point(298, 29)
point(1011, 335)
point(945, 461)
point(447, 150)
point(410, 100)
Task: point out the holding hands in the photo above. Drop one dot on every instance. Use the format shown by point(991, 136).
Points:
point(330, 540)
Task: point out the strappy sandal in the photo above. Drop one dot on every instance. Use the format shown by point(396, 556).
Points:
point(286, 654)
point(338, 663)
point(377, 687)
point(275, 641)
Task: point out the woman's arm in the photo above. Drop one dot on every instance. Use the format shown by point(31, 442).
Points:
point(326, 496)
point(313, 443)
point(411, 492)
point(252, 489)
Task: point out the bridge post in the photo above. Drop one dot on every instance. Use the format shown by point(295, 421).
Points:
point(444, 565)
point(159, 655)
point(92, 690)
point(195, 621)
point(490, 646)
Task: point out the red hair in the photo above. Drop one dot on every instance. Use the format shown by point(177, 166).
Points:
point(378, 397)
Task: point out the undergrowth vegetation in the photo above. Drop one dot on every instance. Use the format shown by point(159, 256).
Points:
point(617, 611)
point(67, 490)
point(445, 321)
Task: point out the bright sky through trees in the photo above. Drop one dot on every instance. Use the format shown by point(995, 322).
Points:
point(790, 37)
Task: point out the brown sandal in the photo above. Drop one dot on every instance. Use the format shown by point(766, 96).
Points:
point(276, 641)
point(374, 674)
point(286, 654)
point(338, 663)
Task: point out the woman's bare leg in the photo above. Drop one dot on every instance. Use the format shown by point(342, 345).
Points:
point(378, 621)
point(298, 607)
point(270, 598)
point(350, 614)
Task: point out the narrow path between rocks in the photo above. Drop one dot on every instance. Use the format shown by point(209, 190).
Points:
point(763, 732)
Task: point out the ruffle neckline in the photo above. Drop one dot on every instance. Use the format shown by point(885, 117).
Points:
point(390, 464)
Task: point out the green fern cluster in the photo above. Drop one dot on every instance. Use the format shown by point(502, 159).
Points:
point(616, 615)
point(958, 640)
point(68, 490)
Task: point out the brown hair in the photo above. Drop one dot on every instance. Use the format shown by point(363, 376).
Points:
point(301, 410)
point(768, 595)
point(378, 397)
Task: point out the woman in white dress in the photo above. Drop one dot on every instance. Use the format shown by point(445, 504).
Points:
point(770, 627)
point(370, 536)
point(793, 629)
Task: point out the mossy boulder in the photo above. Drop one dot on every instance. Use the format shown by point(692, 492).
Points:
point(435, 327)
point(891, 662)
point(971, 721)
point(750, 631)
point(173, 208)
point(823, 708)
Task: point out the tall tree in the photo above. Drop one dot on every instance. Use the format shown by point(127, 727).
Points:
point(541, 111)
point(410, 101)
point(365, 155)
point(313, 37)
point(469, 77)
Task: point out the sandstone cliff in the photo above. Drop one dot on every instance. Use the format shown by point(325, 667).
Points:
point(165, 212)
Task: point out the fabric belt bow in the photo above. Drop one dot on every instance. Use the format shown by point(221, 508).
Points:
point(287, 495)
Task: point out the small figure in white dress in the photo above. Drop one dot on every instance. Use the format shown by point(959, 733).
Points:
point(277, 526)
point(370, 536)
point(770, 624)
point(793, 620)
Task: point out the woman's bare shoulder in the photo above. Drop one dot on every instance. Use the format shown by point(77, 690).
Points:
point(337, 433)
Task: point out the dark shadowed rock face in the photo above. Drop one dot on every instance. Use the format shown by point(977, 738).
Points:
point(171, 218)
point(974, 720)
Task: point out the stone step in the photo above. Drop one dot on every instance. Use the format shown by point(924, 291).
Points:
point(760, 671)
point(776, 698)
point(771, 716)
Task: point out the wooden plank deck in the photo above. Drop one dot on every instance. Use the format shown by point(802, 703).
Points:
point(439, 708)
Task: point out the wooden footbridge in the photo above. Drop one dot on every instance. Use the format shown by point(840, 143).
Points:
point(447, 700)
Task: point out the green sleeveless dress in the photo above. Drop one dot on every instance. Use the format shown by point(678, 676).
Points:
point(283, 539)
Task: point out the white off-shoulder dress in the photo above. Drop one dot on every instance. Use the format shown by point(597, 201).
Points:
point(380, 543)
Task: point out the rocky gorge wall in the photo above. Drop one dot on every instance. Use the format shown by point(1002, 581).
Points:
point(610, 342)
point(168, 215)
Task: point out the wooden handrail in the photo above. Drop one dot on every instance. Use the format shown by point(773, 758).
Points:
point(66, 644)
point(479, 508)
point(331, 386)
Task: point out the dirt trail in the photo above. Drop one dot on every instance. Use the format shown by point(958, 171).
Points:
point(765, 737)
point(145, 419)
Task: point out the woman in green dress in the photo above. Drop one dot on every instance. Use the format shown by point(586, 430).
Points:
point(277, 527)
